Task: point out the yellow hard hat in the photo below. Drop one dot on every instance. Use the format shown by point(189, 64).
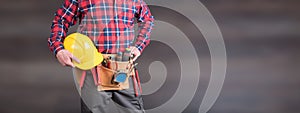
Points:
point(83, 48)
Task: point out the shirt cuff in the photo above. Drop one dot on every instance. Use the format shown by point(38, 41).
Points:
point(58, 48)
point(140, 48)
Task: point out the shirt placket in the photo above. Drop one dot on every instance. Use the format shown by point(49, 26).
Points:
point(117, 31)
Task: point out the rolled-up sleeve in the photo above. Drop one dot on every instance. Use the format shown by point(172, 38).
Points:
point(65, 17)
point(145, 25)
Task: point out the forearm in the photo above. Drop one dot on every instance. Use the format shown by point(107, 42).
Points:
point(64, 18)
point(56, 38)
point(145, 25)
point(143, 37)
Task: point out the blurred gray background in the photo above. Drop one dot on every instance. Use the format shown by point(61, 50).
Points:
point(261, 37)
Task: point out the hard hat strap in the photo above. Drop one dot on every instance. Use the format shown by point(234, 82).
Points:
point(93, 70)
point(138, 79)
point(82, 79)
point(83, 76)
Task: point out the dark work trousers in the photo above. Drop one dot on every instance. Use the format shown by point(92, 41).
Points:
point(116, 101)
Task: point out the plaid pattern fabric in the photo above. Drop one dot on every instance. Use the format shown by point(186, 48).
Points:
point(108, 23)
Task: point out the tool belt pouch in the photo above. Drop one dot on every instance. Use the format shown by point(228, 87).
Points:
point(114, 76)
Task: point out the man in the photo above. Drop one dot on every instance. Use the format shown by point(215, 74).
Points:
point(110, 25)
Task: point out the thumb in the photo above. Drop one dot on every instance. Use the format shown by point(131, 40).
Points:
point(69, 62)
point(73, 57)
point(135, 52)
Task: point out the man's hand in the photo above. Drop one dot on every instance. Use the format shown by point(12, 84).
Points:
point(135, 51)
point(65, 58)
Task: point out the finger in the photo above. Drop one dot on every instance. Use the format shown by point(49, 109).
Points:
point(134, 58)
point(65, 57)
point(60, 57)
point(132, 50)
point(73, 57)
point(135, 52)
point(69, 63)
point(61, 60)
point(67, 60)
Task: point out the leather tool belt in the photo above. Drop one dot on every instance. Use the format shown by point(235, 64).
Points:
point(113, 75)
point(104, 75)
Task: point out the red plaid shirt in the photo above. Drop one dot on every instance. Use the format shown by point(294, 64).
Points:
point(108, 23)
